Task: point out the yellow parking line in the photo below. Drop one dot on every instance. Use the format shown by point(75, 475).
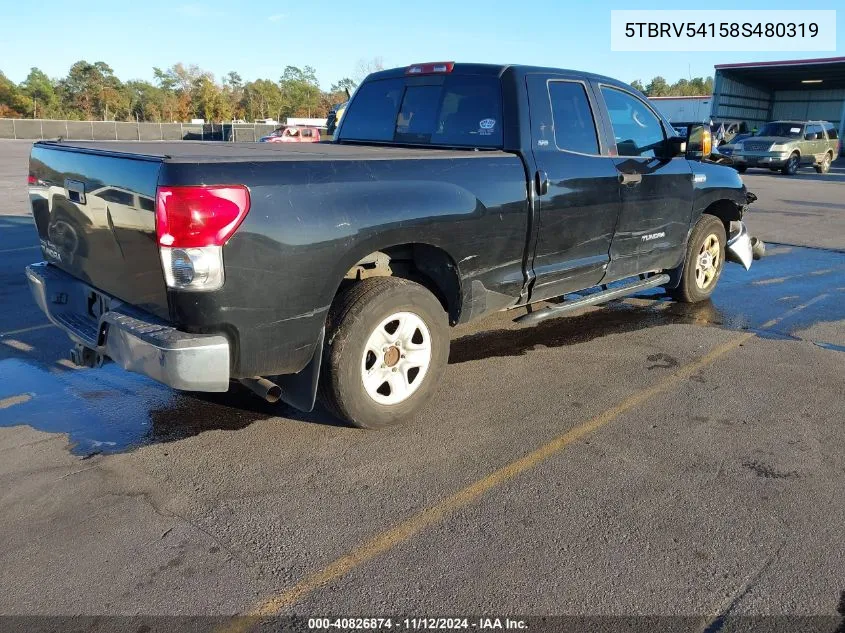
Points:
point(402, 532)
point(11, 401)
point(773, 322)
point(27, 329)
point(18, 345)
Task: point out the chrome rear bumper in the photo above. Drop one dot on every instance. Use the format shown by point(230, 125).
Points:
point(135, 340)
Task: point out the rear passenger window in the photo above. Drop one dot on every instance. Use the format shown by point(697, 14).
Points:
point(831, 131)
point(637, 129)
point(574, 127)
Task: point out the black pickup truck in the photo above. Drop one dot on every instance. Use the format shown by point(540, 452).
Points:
point(335, 269)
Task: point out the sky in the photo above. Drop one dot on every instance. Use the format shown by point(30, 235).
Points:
point(258, 38)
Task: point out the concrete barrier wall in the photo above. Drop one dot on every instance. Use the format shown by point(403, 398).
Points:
point(35, 129)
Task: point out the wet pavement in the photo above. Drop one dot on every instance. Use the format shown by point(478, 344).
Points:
point(646, 457)
point(110, 410)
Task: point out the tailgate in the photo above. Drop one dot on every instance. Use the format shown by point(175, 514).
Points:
point(95, 213)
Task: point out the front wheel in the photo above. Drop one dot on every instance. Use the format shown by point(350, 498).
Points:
point(824, 166)
point(703, 261)
point(741, 168)
point(790, 168)
point(387, 345)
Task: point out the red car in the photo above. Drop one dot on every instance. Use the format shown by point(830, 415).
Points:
point(293, 134)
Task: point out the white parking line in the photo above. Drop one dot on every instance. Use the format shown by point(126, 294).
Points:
point(27, 329)
point(5, 403)
point(18, 345)
point(15, 250)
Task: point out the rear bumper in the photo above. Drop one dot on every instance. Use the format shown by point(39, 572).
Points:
point(135, 340)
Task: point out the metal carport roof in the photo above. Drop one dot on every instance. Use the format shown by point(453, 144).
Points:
point(789, 75)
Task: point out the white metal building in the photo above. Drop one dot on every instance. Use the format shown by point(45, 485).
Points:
point(684, 109)
point(801, 89)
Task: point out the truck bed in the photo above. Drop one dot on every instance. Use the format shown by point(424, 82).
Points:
point(315, 210)
point(215, 151)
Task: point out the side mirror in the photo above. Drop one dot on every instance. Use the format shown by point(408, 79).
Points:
point(675, 146)
point(699, 142)
point(810, 136)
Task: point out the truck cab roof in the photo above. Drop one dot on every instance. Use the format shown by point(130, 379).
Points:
point(497, 70)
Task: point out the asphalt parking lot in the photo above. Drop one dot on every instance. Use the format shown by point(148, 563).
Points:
point(646, 458)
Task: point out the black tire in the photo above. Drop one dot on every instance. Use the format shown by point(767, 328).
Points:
point(824, 166)
point(741, 168)
point(355, 314)
point(790, 167)
point(689, 290)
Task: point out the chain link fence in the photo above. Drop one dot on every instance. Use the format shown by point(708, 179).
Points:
point(34, 129)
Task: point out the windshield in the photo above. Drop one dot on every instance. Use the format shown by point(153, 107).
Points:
point(462, 111)
point(778, 128)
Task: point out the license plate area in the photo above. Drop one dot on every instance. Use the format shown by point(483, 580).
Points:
point(80, 309)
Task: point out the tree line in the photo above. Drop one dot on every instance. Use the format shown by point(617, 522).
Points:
point(92, 92)
point(659, 87)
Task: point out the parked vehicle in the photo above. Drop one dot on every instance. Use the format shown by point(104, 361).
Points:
point(721, 131)
point(726, 131)
point(452, 191)
point(334, 117)
point(786, 145)
point(293, 134)
point(727, 149)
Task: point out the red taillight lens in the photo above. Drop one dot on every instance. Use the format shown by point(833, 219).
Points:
point(31, 180)
point(191, 217)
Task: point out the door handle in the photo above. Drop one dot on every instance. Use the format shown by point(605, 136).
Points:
point(630, 179)
point(541, 182)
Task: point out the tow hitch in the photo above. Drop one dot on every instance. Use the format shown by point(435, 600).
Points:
point(85, 356)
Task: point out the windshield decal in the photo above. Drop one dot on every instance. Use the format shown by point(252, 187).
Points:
point(795, 130)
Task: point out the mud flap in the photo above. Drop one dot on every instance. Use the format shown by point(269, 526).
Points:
point(300, 390)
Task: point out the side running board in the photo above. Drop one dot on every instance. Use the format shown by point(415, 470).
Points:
point(592, 299)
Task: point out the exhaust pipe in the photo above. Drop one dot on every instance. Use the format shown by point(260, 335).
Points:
point(263, 388)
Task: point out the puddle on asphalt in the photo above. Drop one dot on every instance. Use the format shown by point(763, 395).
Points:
point(110, 410)
point(744, 300)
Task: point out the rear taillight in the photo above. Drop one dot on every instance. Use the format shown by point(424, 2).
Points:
point(199, 216)
point(430, 68)
point(31, 180)
point(192, 225)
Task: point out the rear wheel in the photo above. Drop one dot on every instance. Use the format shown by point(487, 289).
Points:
point(824, 166)
point(703, 261)
point(387, 344)
point(790, 167)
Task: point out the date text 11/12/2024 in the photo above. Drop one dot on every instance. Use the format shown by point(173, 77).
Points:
point(418, 623)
